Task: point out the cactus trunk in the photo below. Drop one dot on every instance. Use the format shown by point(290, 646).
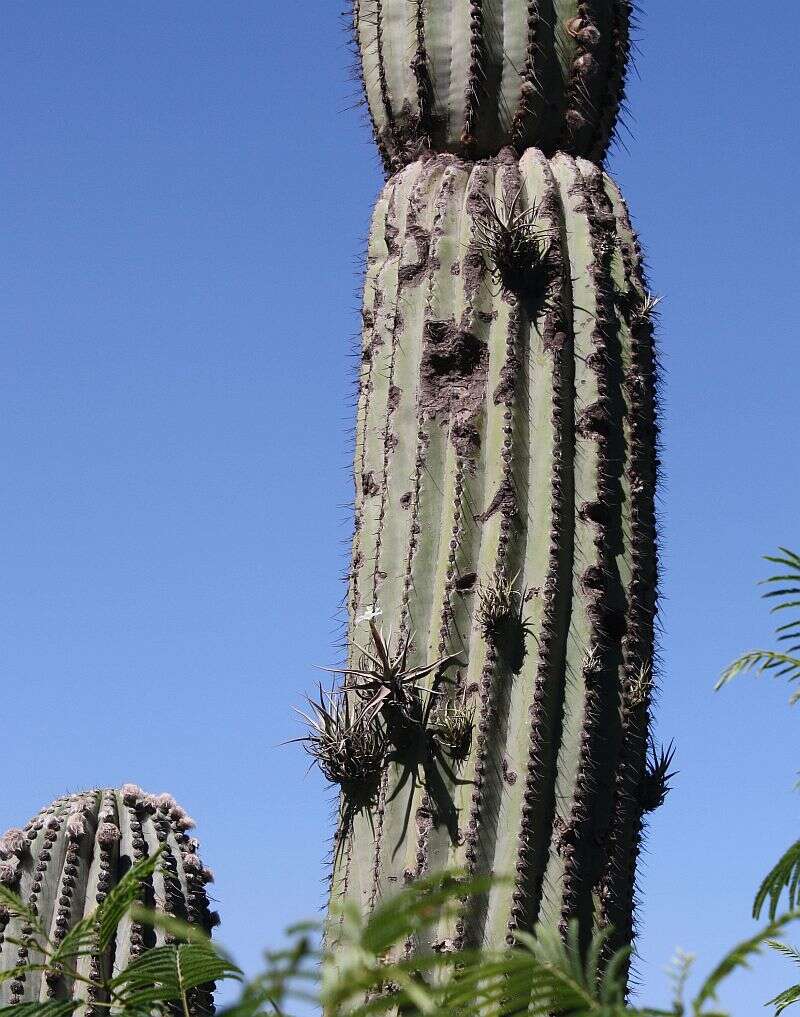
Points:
point(65, 862)
point(505, 472)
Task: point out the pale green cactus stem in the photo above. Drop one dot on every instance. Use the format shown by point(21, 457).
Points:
point(472, 76)
point(65, 861)
point(505, 477)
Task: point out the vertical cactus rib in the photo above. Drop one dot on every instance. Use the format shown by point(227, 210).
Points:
point(360, 73)
point(612, 104)
point(530, 88)
point(507, 437)
point(617, 888)
point(600, 423)
point(422, 76)
point(369, 36)
point(66, 861)
point(370, 347)
point(553, 444)
point(475, 74)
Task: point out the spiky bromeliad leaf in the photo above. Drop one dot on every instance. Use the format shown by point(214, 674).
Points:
point(656, 785)
point(783, 663)
point(347, 745)
point(383, 681)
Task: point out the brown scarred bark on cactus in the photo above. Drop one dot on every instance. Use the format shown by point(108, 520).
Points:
point(65, 861)
point(472, 76)
point(507, 423)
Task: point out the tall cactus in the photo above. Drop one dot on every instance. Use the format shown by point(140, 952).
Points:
point(472, 76)
point(503, 584)
point(65, 861)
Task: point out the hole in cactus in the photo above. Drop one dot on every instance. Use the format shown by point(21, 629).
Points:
point(453, 375)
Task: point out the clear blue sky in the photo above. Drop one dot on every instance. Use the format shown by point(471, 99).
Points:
point(184, 193)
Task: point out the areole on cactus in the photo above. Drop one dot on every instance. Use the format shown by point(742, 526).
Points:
point(505, 531)
point(473, 76)
point(67, 859)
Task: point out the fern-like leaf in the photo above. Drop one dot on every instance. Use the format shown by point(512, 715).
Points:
point(785, 587)
point(785, 999)
point(56, 1009)
point(784, 876)
point(739, 957)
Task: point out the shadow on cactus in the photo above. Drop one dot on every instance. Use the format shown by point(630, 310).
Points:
point(516, 249)
point(501, 615)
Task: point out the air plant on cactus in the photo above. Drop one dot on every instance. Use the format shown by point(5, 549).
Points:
point(385, 685)
point(347, 746)
point(452, 726)
point(515, 244)
point(501, 616)
point(656, 784)
point(645, 309)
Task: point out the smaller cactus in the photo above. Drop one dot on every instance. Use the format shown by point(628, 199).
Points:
point(64, 863)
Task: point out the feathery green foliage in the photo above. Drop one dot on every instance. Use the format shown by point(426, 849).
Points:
point(783, 663)
point(784, 876)
point(372, 972)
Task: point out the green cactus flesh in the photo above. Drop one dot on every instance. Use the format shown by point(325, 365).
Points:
point(472, 76)
point(63, 865)
point(505, 473)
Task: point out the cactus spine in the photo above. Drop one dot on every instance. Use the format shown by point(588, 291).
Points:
point(505, 474)
point(65, 861)
point(472, 76)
